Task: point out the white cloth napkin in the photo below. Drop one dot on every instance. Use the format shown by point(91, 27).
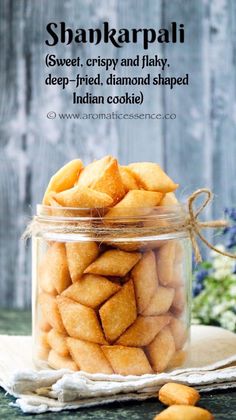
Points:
point(212, 366)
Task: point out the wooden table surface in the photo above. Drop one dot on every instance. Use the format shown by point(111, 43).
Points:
point(222, 403)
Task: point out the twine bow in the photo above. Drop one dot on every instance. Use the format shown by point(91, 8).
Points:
point(195, 226)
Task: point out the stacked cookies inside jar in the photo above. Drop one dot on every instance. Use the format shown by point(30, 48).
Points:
point(111, 306)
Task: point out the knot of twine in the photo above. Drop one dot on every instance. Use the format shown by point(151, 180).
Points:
point(195, 226)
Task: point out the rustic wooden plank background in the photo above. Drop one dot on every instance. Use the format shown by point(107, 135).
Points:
point(198, 148)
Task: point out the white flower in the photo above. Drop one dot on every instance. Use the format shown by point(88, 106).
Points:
point(232, 290)
point(222, 265)
point(219, 309)
point(221, 273)
point(223, 261)
point(228, 320)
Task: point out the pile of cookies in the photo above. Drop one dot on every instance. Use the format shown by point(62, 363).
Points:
point(111, 307)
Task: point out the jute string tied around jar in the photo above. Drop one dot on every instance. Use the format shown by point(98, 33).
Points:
point(191, 224)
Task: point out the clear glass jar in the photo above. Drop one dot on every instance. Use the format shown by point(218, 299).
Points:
point(111, 295)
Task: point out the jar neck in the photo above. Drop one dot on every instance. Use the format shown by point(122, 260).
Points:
point(129, 222)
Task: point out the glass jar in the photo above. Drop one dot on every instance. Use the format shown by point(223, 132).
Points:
point(111, 294)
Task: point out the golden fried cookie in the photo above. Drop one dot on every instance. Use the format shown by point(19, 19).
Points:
point(178, 276)
point(178, 252)
point(135, 203)
point(127, 360)
point(91, 290)
point(59, 211)
point(103, 175)
point(143, 330)
point(64, 178)
point(53, 272)
point(42, 339)
point(80, 321)
point(178, 359)
point(88, 356)
point(46, 283)
point(43, 324)
point(128, 246)
point(152, 177)
point(179, 301)
point(82, 197)
point(42, 352)
point(169, 199)
point(79, 256)
point(145, 280)
point(161, 350)
point(57, 342)
point(56, 209)
point(160, 302)
point(173, 393)
point(184, 412)
point(178, 330)
point(114, 263)
point(165, 263)
point(128, 179)
point(48, 305)
point(53, 203)
point(119, 312)
point(56, 361)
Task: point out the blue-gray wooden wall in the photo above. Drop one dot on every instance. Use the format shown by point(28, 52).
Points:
point(197, 149)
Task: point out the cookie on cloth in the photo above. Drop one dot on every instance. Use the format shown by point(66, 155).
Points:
point(80, 321)
point(127, 360)
point(88, 356)
point(182, 412)
point(91, 290)
point(174, 393)
point(119, 312)
point(114, 262)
